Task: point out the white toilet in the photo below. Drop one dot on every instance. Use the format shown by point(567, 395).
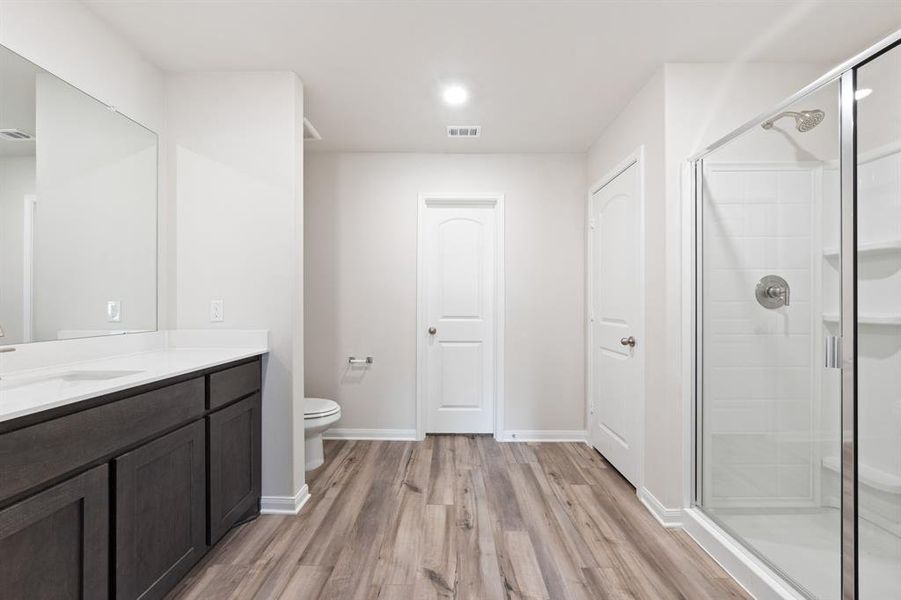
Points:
point(319, 414)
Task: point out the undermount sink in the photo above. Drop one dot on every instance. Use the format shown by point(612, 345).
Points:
point(56, 379)
point(95, 375)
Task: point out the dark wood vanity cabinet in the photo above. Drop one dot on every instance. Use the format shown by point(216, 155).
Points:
point(55, 544)
point(120, 496)
point(160, 512)
point(233, 437)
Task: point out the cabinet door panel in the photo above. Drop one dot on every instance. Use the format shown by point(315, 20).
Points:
point(234, 451)
point(55, 544)
point(160, 513)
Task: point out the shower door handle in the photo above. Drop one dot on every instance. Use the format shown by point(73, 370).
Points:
point(832, 352)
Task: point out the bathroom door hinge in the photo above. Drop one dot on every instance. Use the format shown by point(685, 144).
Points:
point(832, 352)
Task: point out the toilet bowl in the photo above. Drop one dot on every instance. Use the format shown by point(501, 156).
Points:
point(319, 414)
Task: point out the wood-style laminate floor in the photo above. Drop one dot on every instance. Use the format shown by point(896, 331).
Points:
point(460, 517)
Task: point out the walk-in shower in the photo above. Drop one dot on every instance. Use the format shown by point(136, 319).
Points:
point(798, 333)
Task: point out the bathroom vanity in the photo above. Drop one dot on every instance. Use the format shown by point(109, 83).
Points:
point(125, 452)
point(119, 494)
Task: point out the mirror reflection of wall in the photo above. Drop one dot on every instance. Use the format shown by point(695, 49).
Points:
point(78, 209)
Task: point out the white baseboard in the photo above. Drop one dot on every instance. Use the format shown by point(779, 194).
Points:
point(405, 435)
point(749, 571)
point(668, 517)
point(542, 435)
point(538, 435)
point(285, 505)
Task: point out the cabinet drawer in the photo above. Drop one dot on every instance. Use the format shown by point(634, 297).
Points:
point(41, 452)
point(230, 384)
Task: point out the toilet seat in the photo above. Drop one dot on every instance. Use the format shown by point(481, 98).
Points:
point(317, 408)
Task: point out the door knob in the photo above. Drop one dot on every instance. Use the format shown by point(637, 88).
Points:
point(432, 331)
point(628, 341)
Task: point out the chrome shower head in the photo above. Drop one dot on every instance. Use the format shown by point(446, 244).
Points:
point(804, 120)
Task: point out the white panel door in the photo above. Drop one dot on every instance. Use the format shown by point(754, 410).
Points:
point(459, 299)
point(617, 301)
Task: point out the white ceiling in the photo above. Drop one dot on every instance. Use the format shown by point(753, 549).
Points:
point(544, 76)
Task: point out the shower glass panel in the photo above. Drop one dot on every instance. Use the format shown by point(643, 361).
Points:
point(879, 326)
point(769, 226)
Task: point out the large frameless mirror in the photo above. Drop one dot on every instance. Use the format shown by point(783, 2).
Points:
point(78, 212)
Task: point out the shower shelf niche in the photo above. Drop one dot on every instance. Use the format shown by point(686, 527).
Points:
point(887, 319)
point(869, 249)
point(871, 476)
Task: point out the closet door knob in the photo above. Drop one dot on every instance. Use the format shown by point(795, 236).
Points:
point(432, 331)
point(628, 341)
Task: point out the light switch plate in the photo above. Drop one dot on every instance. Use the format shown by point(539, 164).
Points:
point(217, 315)
point(113, 311)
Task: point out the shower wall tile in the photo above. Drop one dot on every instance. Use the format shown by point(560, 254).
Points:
point(733, 285)
point(746, 318)
point(879, 185)
point(758, 220)
point(776, 351)
point(756, 383)
point(757, 362)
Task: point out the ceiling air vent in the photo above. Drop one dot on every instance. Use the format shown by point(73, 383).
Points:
point(464, 131)
point(15, 135)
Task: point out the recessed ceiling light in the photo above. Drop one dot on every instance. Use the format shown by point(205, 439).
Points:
point(862, 93)
point(455, 95)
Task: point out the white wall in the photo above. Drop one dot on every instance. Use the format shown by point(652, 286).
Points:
point(642, 124)
point(236, 157)
point(692, 105)
point(17, 177)
point(361, 227)
point(67, 39)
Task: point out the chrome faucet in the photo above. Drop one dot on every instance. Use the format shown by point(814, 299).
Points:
point(7, 348)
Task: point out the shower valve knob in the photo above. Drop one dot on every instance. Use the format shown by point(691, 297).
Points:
point(772, 292)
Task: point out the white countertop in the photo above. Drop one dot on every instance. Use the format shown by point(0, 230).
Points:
point(33, 390)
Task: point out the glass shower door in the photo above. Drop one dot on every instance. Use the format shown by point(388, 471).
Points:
point(770, 407)
point(879, 327)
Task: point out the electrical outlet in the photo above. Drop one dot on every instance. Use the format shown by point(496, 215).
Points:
point(113, 311)
point(217, 314)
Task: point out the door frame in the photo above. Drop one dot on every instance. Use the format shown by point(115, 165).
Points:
point(496, 200)
point(635, 158)
point(29, 214)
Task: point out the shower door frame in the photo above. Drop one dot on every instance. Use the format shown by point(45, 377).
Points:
point(845, 74)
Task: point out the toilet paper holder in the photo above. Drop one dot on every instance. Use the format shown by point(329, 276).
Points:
point(353, 360)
